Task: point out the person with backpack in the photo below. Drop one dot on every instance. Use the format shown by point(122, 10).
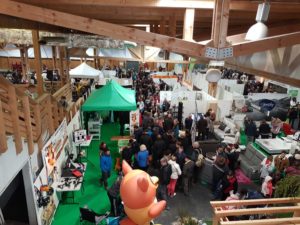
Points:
point(176, 172)
point(164, 179)
point(198, 159)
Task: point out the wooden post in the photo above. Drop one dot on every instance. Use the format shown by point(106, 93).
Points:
point(50, 116)
point(95, 58)
point(27, 63)
point(162, 26)
point(3, 141)
point(37, 118)
point(54, 57)
point(37, 61)
point(27, 118)
point(55, 113)
point(212, 89)
point(220, 23)
point(143, 53)
point(172, 26)
point(156, 28)
point(67, 65)
point(61, 66)
point(188, 27)
point(152, 28)
point(13, 104)
point(23, 62)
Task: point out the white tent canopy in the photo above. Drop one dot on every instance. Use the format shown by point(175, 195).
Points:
point(85, 71)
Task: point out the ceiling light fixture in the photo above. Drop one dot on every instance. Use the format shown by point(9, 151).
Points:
point(259, 30)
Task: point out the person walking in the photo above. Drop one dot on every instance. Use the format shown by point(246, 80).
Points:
point(164, 179)
point(105, 165)
point(176, 172)
point(142, 158)
point(250, 130)
point(187, 174)
point(113, 194)
point(202, 128)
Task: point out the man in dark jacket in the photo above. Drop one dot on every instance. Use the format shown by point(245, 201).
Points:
point(188, 122)
point(168, 123)
point(164, 179)
point(201, 126)
point(146, 140)
point(113, 194)
point(264, 130)
point(250, 130)
point(157, 151)
point(187, 174)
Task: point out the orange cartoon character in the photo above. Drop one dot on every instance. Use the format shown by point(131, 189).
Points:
point(138, 192)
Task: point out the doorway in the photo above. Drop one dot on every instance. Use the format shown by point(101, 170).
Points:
point(13, 202)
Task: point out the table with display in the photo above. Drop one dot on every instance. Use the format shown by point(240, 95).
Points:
point(85, 144)
point(70, 183)
point(273, 146)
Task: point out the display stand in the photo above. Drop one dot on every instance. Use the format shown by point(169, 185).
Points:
point(94, 128)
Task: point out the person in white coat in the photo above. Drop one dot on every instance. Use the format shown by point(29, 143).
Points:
point(176, 172)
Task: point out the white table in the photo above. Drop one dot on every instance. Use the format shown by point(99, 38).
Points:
point(60, 187)
point(86, 144)
point(274, 145)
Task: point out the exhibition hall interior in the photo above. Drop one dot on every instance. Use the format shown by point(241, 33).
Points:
point(161, 112)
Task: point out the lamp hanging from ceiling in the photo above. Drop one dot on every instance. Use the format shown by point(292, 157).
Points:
point(259, 30)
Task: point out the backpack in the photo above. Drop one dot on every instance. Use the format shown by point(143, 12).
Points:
point(200, 158)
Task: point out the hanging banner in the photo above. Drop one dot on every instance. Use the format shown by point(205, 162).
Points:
point(54, 146)
point(134, 120)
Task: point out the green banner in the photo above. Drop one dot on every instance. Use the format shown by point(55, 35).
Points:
point(293, 93)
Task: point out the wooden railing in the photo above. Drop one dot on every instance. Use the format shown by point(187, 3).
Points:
point(271, 207)
point(23, 117)
point(52, 86)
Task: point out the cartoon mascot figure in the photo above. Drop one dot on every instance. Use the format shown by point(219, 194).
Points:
point(138, 193)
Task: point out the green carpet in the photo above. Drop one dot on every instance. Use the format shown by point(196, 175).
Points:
point(94, 195)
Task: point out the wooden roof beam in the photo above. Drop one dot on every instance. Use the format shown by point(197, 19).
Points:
point(220, 23)
point(199, 4)
point(271, 76)
point(250, 47)
point(89, 25)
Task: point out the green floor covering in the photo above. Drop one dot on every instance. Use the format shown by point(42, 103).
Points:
point(94, 195)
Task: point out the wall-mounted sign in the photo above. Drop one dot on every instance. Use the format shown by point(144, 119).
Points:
point(266, 105)
point(79, 136)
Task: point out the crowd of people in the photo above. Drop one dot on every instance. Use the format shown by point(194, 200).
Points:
point(160, 148)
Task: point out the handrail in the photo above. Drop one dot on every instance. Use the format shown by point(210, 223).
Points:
point(281, 205)
point(30, 113)
point(254, 202)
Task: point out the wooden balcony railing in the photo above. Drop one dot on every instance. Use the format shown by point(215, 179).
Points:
point(23, 117)
point(271, 207)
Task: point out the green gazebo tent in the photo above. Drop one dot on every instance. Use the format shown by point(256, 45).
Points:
point(110, 97)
